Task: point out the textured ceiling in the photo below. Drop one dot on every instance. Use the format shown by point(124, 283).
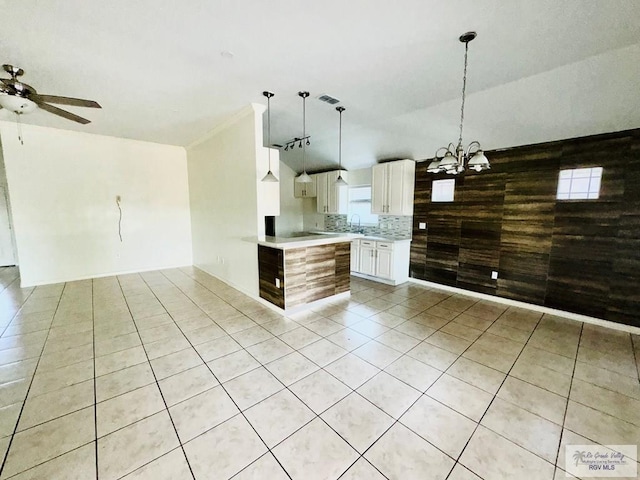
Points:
point(538, 71)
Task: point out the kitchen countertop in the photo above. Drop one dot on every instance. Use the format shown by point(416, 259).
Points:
point(320, 238)
point(285, 243)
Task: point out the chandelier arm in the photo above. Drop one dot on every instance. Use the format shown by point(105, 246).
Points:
point(446, 149)
point(475, 143)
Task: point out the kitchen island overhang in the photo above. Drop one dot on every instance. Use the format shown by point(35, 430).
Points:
point(301, 270)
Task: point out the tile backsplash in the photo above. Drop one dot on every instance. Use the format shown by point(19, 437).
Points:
point(397, 227)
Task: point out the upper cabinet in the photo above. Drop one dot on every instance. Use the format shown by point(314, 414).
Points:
point(304, 190)
point(331, 198)
point(392, 185)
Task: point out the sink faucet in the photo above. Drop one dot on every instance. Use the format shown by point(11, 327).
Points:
point(359, 230)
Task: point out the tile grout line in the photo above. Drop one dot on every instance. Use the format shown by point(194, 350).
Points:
point(156, 382)
point(95, 380)
point(354, 390)
point(240, 411)
point(566, 407)
point(24, 403)
point(495, 395)
point(17, 279)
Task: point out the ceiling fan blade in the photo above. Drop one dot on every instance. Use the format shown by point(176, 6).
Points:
point(62, 113)
point(75, 102)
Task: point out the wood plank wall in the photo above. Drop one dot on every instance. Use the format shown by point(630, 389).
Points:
point(578, 256)
point(306, 274)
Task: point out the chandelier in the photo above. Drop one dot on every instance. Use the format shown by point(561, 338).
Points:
point(455, 157)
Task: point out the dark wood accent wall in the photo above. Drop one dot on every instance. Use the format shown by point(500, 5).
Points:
point(580, 256)
point(270, 267)
point(306, 274)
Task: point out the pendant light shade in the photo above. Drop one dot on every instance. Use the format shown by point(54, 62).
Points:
point(269, 177)
point(340, 181)
point(304, 177)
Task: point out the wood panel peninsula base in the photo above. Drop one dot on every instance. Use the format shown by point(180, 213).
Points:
point(296, 272)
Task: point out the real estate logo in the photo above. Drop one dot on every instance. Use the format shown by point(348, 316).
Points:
point(604, 461)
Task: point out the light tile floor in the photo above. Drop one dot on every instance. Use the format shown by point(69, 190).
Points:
point(175, 375)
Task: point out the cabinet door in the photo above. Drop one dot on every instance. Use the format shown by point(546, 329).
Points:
point(395, 180)
point(379, 189)
point(384, 263)
point(337, 201)
point(298, 189)
point(367, 260)
point(355, 256)
point(310, 188)
point(321, 192)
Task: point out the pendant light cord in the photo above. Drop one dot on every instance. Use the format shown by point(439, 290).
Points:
point(464, 89)
point(304, 132)
point(269, 129)
point(340, 143)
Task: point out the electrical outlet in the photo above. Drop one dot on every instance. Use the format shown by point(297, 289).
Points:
point(494, 275)
point(277, 283)
point(422, 226)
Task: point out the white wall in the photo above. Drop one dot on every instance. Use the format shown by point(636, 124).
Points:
point(291, 208)
point(225, 216)
point(63, 188)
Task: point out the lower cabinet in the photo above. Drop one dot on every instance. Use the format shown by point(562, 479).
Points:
point(386, 261)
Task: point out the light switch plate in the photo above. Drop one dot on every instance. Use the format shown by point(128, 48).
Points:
point(494, 275)
point(422, 226)
point(277, 283)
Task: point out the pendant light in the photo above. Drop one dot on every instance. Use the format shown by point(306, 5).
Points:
point(454, 158)
point(304, 176)
point(269, 177)
point(340, 181)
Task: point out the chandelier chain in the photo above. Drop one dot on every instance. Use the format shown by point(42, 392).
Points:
point(464, 89)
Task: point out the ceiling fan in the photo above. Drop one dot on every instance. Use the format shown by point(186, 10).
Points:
point(21, 98)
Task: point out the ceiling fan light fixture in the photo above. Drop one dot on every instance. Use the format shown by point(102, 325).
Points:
point(17, 104)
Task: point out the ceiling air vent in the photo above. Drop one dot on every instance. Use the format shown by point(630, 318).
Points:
point(328, 99)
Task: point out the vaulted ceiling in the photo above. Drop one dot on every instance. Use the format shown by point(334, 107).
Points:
point(168, 71)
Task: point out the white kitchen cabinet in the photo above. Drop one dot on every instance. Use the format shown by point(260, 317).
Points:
point(331, 198)
point(304, 190)
point(355, 255)
point(392, 186)
point(367, 264)
point(383, 261)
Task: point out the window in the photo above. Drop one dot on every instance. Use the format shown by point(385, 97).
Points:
point(579, 184)
point(442, 190)
point(360, 204)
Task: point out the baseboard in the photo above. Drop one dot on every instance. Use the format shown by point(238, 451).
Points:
point(531, 306)
point(386, 281)
point(98, 275)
